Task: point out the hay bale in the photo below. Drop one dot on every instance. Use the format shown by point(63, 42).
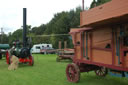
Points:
point(14, 63)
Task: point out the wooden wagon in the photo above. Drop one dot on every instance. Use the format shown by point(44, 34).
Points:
point(101, 44)
point(65, 54)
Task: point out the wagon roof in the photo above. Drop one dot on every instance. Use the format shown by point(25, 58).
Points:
point(113, 11)
point(74, 30)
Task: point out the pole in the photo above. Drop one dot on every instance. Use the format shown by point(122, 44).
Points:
point(24, 27)
point(83, 5)
point(65, 44)
point(1, 35)
point(59, 44)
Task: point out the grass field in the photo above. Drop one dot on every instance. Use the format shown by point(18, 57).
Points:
point(46, 71)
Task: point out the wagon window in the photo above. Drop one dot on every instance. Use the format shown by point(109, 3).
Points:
point(125, 41)
point(108, 46)
point(78, 42)
point(47, 45)
point(42, 47)
point(37, 47)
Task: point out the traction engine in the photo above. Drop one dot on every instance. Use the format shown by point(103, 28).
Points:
point(21, 50)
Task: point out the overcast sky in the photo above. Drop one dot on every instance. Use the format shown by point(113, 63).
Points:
point(38, 11)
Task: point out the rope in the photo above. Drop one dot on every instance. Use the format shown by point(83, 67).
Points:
point(50, 35)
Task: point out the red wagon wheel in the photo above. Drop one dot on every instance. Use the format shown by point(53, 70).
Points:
point(101, 72)
point(8, 57)
point(31, 60)
point(73, 73)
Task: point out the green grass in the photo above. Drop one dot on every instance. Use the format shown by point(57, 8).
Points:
point(46, 71)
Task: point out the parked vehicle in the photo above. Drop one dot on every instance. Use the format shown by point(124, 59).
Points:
point(65, 54)
point(41, 48)
point(3, 49)
point(21, 50)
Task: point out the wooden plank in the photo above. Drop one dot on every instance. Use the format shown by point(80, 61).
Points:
point(102, 56)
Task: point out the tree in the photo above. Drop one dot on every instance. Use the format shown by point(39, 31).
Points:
point(16, 35)
point(39, 30)
point(98, 2)
point(4, 39)
point(93, 4)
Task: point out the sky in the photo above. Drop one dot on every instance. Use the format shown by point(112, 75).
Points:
point(38, 11)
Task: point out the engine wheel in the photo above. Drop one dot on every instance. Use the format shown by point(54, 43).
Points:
point(8, 57)
point(31, 62)
point(73, 73)
point(101, 72)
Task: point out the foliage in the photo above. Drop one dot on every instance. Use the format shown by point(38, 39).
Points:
point(4, 38)
point(98, 2)
point(93, 4)
point(60, 24)
point(39, 30)
point(16, 35)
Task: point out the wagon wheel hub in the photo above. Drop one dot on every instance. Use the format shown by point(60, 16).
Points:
point(101, 71)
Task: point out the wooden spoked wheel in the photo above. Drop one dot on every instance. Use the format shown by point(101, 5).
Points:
point(73, 73)
point(101, 72)
point(31, 60)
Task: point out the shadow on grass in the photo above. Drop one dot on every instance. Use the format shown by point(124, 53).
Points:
point(65, 61)
point(61, 61)
point(3, 59)
point(23, 65)
point(3, 66)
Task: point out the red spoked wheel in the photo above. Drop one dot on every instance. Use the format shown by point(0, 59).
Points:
point(8, 57)
point(31, 60)
point(101, 72)
point(73, 73)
